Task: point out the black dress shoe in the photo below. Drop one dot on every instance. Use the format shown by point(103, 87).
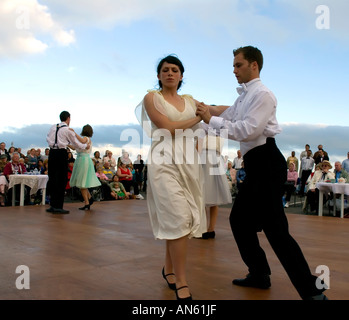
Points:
point(261, 281)
point(172, 286)
point(317, 297)
point(208, 235)
point(185, 298)
point(51, 209)
point(60, 211)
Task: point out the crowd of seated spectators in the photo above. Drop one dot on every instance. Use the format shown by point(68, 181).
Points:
point(300, 174)
point(14, 161)
point(132, 175)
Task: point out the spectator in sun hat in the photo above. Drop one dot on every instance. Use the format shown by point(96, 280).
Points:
point(319, 176)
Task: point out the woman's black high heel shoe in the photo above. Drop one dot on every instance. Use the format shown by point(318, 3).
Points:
point(186, 298)
point(208, 235)
point(85, 207)
point(90, 201)
point(172, 286)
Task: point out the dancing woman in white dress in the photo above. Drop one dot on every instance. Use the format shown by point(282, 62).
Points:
point(175, 188)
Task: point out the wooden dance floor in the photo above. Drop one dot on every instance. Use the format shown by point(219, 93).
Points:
point(109, 253)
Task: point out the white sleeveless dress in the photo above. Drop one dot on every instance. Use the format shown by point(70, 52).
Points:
point(175, 188)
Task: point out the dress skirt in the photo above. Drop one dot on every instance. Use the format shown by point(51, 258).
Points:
point(175, 199)
point(217, 190)
point(84, 175)
point(175, 180)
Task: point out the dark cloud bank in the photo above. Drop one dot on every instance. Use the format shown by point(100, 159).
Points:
point(293, 137)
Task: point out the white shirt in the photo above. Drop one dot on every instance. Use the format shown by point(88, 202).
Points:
point(252, 118)
point(237, 163)
point(65, 137)
point(307, 163)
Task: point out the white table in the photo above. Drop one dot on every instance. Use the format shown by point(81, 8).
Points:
point(336, 188)
point(35, 182)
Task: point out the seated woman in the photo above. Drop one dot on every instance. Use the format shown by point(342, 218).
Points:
point(126, 178)
point(15, 167)
point(291, 183)
point(320, 175)
point(97, 160)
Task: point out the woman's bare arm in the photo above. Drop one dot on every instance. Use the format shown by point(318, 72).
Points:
point(161, 121)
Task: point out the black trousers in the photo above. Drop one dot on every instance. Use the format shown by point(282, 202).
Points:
point(289, 189)
point(258, 206)
point(130, 183)
point(313, 199)
point(305, 176)
point(57, 176)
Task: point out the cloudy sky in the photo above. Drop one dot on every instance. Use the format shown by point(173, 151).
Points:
point(97, 59)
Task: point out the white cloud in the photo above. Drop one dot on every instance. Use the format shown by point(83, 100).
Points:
point(25, 24)
point(28, 44)
point(249, 20)
point(26, 27)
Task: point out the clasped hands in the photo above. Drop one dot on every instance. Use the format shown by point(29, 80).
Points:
point(203, 110)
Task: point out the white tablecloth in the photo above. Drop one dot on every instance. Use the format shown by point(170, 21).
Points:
point(336, 188)
point(340, 188)
point(35, 182)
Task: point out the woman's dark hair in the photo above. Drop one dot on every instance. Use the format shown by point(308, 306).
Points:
point(251, 54)
point(172, 60)
point(87, 131)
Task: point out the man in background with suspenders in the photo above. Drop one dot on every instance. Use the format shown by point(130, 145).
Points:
point(59, 138)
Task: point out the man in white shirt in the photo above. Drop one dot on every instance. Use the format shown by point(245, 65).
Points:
point(252, 121)
point(303, 154)
point(307, 164)
point(59, 138)
point(237, 161)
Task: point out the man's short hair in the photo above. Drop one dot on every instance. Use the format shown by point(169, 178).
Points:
point(251, 54)
point(64, 115)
